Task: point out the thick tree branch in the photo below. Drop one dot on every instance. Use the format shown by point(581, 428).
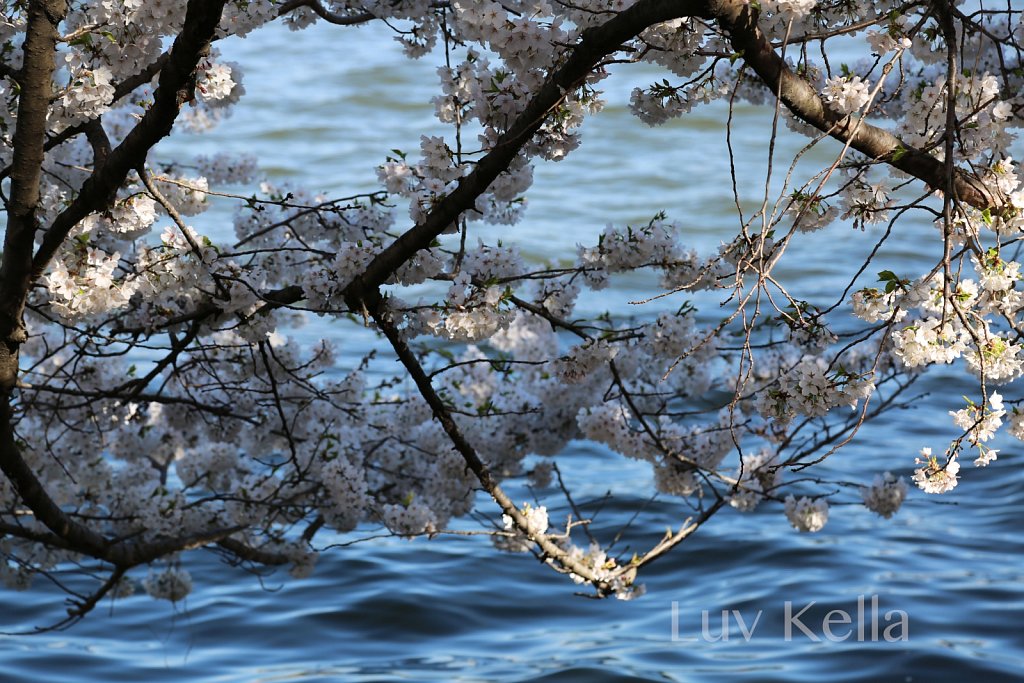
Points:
point(98, 140)
point(176, 86)
point(46, 511)
point(72, 534)
point(45, 538)
point(739, 20)
point(333, 17)
point(323, 13)
point(596, 43)
point(41, 36)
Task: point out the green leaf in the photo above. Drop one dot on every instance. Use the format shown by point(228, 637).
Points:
point(891, 280)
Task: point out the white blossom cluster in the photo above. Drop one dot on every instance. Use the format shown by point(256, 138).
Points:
point(885, 495)
point(604, 568)
point(759, 475)
point(936, 477)
point(805, 514)
point(172, 584)
point(812, 388)
point(519, 540)
point(847, 94)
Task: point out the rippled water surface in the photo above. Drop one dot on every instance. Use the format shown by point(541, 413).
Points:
point(324, 107)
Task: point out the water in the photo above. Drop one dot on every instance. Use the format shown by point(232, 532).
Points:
point(453, 609)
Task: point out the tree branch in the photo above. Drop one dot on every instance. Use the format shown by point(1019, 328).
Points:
point(736, 18)
point(333, 17)
point(739, 20)
point(121, 90)
point(323, 13)
point(177, 83)
point(378, 310)
point(595, 44)
point(41, 36)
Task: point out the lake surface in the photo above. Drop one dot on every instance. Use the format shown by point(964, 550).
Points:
point(324, 107)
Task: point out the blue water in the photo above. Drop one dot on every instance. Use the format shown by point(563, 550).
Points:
point(453, 609)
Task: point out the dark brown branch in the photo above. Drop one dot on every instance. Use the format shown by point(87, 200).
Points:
point(98, 140)
point(333, 17)
point(377, 308)
point(79, 608)
point(73, 535)
point(177, 85)
point(596, 44)
point(41, 36)
point(46, 511)
point(130, 392)
point(323, 13)
point(739, 20)
point(7, 72)
point(45, 538)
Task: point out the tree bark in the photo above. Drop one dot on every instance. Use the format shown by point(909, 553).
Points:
point(36, 78)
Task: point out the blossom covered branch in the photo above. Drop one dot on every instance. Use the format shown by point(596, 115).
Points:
point(153, 401)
